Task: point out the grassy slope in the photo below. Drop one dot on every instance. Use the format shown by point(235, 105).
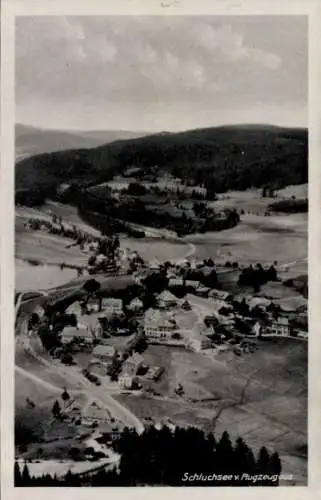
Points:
point(238, 156)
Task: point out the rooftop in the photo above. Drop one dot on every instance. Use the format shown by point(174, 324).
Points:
point(157, 318)
point(167, 296)
point(104, 350)
point(73, 331)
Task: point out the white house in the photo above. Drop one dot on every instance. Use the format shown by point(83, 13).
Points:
point(280, 327)
point(125, 381)
point(176, 282)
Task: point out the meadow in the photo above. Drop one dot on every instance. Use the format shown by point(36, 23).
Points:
point(257, 239)
point(274, 408)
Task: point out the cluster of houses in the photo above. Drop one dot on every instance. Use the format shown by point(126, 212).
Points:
point(261, 318)
point(166, 183)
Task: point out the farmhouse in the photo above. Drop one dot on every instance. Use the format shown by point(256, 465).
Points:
point(104, 352)
point(166, 300)
point(186, 306)
point(136, 305)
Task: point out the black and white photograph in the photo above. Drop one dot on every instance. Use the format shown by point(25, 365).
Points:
point(161, 251)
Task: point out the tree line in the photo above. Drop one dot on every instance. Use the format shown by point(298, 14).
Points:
point(163, 458)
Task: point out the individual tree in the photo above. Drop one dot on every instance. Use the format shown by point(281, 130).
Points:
point(243, 460)
point(275, 466)
point(224, 454)
point(56, 410)
point(263, 461)
point(25, 477)
point(92, 288)
point(17, 474)
point(65, 396)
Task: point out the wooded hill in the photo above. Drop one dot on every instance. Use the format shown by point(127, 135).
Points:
point(221, 158)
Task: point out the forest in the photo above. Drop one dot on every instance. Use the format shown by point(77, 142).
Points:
point(166, 458)
point(220, 158)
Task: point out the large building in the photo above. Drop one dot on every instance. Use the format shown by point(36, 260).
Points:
point(80, 332)
point(159, 325)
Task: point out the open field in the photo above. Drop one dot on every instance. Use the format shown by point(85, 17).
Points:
point(152, 248)
point(251, 200)
point(47, 248)
point(274, 408)
point(257, 239)
point(31, 277)
point(299, 191)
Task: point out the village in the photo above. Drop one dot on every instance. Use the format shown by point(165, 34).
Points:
point(167, 306)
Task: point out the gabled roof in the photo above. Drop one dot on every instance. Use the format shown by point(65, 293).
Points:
point(158, 318)
point(136, 301)
point(167, 296)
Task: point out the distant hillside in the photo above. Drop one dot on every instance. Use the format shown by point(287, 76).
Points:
point(31, 141)
point(222, 158)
